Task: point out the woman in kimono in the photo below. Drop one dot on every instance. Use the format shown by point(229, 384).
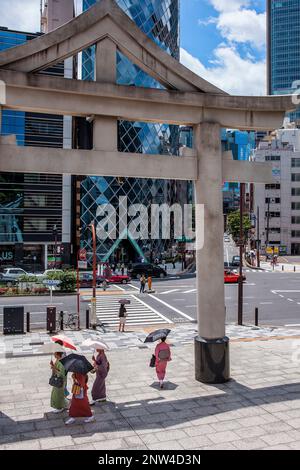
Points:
point(58, 401)
point(162, 357)
point(80, 407)
point(101, 366)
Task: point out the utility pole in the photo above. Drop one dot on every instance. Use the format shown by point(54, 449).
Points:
point(258, 238)
point(55, 244)
point(93, 300)
point(241, 243)
point(268, 226)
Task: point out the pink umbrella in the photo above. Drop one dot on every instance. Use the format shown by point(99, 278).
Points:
point(64, 340)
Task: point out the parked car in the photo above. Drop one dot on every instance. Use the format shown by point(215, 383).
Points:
point(86, 280)
point(232, 277)
point(235, 261)
point(49, 271)
point(13, 273)
point(118, 279)
point(148, 269)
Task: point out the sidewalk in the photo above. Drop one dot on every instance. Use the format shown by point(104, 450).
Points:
point(30, 344)
point(258, 409)
point(282, 267)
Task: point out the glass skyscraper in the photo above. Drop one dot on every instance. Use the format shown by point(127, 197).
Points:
point(30, 204)
point(159, 19)
point(283, 22)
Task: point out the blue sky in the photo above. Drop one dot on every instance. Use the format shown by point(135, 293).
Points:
point(221, 40)
point(224, 41)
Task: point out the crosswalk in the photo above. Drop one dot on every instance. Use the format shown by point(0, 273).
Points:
point(139, 313)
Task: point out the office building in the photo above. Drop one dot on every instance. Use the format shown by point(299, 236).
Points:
point(160, 21)
point(283, 47)
point(279, 202)
point(35, 209)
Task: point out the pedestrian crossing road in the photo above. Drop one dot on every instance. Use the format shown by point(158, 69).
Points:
point(139, 313)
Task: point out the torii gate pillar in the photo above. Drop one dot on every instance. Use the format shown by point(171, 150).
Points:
point(211, 344)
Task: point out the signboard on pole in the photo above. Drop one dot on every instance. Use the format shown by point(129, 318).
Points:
point(82, 264)
point(82, 254)
point(51, 283)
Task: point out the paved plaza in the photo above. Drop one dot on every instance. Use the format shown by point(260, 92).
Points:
point(258, 409)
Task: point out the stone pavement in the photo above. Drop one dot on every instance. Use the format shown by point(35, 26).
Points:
point(31, 344)
point(281, 267)
point(258, 409)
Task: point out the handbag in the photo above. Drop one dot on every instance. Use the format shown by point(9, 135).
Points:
point(152, 361)
point(75, 389)
point(56, 381)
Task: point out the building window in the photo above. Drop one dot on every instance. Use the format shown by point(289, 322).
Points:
point(295, 191)
point(272, 186)
point(272, 158)
point(295, 162)
point(295, 233)
point(295, 206)
point(296, 219)
point(273, 242)
point(273, 200)
point(296, 177)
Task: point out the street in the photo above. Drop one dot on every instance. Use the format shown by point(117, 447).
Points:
point(275, 294)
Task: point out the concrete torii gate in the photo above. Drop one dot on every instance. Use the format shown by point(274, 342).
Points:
point(186, 99)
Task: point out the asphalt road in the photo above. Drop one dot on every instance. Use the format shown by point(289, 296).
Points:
point(276, 294)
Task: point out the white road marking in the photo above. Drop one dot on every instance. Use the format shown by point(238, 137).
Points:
point(119, 287)
point(169, 291)
point(172, 308)
point(290, 300)
point(139, 313)
point(265, 303)
point(293, 324)
point(189, 291)
point(290, 290)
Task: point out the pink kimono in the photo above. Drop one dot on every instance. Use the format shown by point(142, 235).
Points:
point(161, 365)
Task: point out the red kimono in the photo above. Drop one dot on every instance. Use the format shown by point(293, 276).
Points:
point(80, 408)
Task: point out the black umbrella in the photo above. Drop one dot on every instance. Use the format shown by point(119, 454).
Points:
point(156, 335)
point(76, 363)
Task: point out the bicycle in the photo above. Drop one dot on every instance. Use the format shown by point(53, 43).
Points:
point(71, 322)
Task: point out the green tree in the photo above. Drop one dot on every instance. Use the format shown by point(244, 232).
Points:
point(67, 278)
point(233, 222)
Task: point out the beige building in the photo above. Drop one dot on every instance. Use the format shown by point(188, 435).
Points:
point(55, 13)
point(279, 202)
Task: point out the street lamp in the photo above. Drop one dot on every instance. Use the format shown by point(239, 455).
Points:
point(93, 300)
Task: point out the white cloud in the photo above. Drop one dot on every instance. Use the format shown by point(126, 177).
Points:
point(229, 5)
point(238, 23)
point(243, 26)
point(20, 15)
point(229, 71)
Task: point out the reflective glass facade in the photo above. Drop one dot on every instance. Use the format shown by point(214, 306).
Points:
point(241, 144)
point(283, 46)
point(159, 19)
point(30, 204)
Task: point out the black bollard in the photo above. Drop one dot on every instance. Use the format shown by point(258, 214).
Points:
point(282, 267)
point(294, 269)
point(28, 322)
point(61, 320)
point(87, 319)
point(256, 316)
